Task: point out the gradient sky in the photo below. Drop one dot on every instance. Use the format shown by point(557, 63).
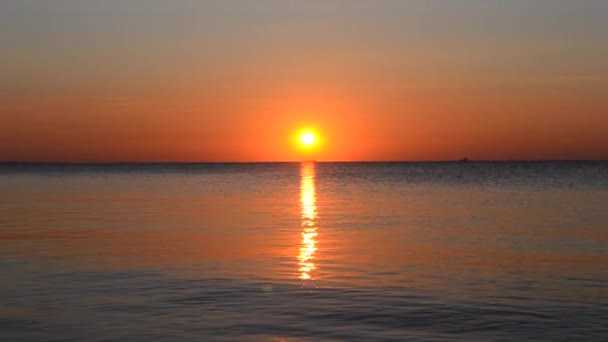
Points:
point(155, 80)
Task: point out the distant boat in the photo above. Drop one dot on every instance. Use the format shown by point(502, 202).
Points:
point(465, 159)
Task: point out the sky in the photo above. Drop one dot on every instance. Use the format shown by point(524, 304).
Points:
point(238, 80)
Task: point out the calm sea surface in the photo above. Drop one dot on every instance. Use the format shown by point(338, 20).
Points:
point(299, 252)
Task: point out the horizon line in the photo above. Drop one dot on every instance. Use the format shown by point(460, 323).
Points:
point(125, 162)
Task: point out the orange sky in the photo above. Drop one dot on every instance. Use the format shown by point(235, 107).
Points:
point(385, 80)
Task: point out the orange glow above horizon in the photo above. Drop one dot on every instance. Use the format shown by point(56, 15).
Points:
point(366, 89)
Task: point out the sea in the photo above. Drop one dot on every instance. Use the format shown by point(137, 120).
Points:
point(313, 251)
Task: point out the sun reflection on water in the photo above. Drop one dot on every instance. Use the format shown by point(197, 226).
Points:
point(308, 221)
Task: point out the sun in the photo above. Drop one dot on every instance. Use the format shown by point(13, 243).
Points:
point(308, 139)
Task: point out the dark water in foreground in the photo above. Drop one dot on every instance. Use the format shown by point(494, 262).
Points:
point(298, 252)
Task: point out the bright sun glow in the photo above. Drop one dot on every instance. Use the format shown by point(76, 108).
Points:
point(307, 139)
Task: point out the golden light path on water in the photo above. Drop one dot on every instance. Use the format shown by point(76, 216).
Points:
point(308, 202)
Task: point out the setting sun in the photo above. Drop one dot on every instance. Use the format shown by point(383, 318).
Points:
point(308, 139)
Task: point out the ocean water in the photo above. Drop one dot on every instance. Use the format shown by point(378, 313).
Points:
point(304, 252)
